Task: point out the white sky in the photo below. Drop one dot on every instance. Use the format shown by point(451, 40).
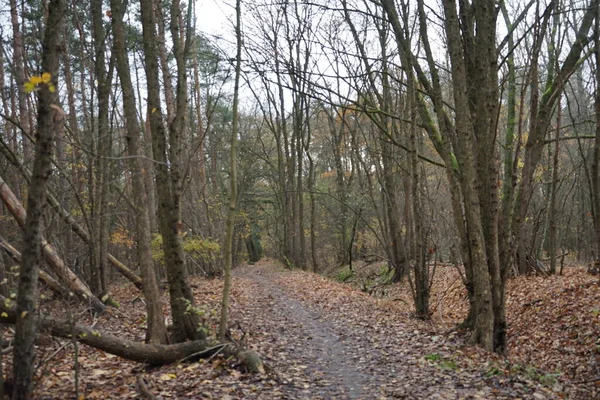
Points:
point(213, 16)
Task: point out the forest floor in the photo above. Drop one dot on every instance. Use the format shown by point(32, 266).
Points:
point(320, 340)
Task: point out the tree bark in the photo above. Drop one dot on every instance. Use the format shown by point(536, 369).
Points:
point(233, 180)
point(48, 119)
point(19, 62)
point(104, 139)
point(52, 283)
point(596, 159)
point(186, 323)
point(157, 331)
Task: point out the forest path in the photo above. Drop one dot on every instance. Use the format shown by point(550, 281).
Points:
point(325, 340)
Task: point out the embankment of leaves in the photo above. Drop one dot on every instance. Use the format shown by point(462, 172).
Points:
point(554, 321)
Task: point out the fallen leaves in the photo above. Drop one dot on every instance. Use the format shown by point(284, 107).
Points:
point(320, 339)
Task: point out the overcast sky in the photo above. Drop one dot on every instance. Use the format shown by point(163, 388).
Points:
point(213, 15)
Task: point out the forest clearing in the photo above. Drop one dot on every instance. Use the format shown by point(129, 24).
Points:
point(351, 199)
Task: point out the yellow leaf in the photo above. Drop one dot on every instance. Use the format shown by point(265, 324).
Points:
point(51, 88)
point(46, 76)
point(24, 314)
point(4, 314)
point(81, 397)
point(29, 87)
point(167, 377)
point(153, 110)
point(36, 80)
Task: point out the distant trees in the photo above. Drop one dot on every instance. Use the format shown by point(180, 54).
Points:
point(486, 116)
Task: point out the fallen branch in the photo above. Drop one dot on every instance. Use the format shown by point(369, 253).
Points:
point(54, 261)
point(201, 353)
point(533, 302)
point(52, 283)
point(67, 217)
point(153, 354)
point(144, 391)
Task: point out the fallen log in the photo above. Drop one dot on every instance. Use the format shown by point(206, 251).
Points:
point(54, 261)
point(52, 283)
point(68, 218)
point(84, 235)
point(152, 354)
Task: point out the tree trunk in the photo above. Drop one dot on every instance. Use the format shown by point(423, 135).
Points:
point(596, 159)
point(157, 331)
point(161, 45)
point(233, 181)
point(48, 120)
point(99, 271)
point(552, 214)
point(19, 65)
point(186, 323)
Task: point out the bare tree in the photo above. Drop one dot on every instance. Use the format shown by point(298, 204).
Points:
point(49, 117)
point(233, 179)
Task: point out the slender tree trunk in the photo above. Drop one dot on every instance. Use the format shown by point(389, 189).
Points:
point(186, 324)
point(19, 68)
point(48, 119)
point(342, 221)
point(596, 159)
point(99, 271)
point(233, 190)
point(157, 332)
point(421, 269)
point(509, 182)
point(552, 214)
point(161, 45)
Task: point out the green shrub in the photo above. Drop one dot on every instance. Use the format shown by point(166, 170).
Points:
point(344, 275)
point(194, 246)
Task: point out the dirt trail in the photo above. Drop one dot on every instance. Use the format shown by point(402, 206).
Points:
point(325, 340)
point(332, 370)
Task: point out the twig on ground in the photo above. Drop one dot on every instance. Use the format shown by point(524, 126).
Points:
point(61, 348)
point(596, 379)
point(143, 388)
point(199, 353)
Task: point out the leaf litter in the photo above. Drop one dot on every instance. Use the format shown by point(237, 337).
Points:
point(326, 340)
